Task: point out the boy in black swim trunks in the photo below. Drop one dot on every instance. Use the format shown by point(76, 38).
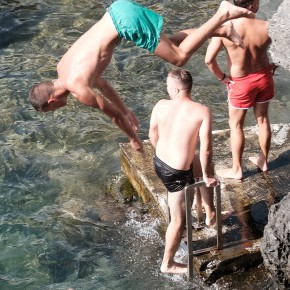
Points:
point(175, 127)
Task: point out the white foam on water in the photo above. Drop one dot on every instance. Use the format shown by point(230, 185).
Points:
point(144, 227)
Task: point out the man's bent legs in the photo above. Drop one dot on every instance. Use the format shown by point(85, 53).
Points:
point(176, 203)
point(236, 123)
point(180, 54)
point(227, 30)
point(262, 116)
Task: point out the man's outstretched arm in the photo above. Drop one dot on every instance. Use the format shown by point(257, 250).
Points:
point(89, 98)
point(110, 93)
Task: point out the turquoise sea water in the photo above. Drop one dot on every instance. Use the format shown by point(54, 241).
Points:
point(58, 226)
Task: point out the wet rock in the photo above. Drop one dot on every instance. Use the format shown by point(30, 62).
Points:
point(275, 246)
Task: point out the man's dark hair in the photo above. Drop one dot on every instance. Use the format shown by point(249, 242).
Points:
point(243, 3)
point(183, 76)
point(40, 94)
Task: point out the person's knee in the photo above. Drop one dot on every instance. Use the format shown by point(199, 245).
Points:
point(235, 124)
point(263, 121)
point(181, 60)
point(178, 222)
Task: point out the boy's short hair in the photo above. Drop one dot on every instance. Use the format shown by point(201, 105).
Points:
point(40, 94)
point(243, 3)
point(183, 76)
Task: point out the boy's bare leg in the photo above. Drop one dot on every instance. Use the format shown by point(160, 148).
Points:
point(210, 210)
point(227, 30)
point(207, 194)
point(236, 121)
point(179, 55)
point(261, 114)
point(174, 234)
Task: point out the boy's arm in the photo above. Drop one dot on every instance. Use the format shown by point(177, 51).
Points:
point(109, 92)
point(213, 49)
point(205, 135)
point(153, 130)
point(90, 98)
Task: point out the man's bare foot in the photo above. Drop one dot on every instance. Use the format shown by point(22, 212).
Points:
point(229, 11)
point(232, 35)
point(260, 162)
point(211, 221)
point(175, 268)
point(230, 173)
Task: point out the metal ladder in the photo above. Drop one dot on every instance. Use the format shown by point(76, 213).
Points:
point(219, 244)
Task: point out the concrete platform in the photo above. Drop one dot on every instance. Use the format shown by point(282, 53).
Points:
point(249, 199)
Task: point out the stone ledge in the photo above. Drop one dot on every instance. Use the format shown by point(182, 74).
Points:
point(250, 199)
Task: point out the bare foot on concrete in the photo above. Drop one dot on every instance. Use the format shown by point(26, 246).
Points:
point(175, 268)
point(230, 11)
point(211, 221)
point(230, 173)
point(260, 162)
point(232, 35)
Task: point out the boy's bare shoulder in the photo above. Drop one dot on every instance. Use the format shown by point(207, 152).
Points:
point(200, 106)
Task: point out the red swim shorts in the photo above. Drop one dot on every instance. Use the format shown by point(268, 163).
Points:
point(251, 89)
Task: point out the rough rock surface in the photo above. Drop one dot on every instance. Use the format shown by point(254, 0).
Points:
point(275, 245)
point(279, 32)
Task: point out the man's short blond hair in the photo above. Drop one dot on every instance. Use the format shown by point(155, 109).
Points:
point(183, 76)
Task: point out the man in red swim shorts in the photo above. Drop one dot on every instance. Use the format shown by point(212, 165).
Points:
point(250, 85)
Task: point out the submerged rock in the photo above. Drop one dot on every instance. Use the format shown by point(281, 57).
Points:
point(275, 246)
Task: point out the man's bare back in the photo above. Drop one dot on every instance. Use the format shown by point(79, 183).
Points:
point(179, 152)
point(253, 57)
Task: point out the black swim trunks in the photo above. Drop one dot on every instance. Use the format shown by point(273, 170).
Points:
point(173, 179)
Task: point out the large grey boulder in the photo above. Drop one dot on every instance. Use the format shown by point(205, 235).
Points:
point(275, 245)
point(279, 27)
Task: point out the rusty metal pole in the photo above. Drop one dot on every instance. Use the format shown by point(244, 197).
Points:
point(188, 204)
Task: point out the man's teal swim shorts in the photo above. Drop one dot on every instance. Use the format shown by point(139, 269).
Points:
point(136, 23)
